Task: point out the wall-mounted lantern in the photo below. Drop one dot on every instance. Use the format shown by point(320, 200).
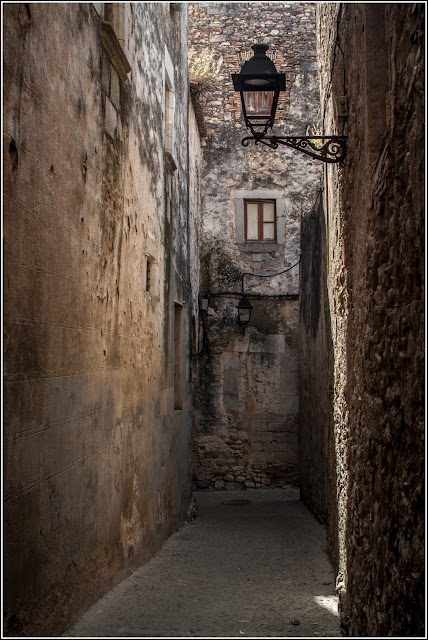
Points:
point(244, 312)
point(258, 74)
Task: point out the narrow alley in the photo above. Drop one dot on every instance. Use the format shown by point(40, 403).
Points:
point(251, 564)
point(214, 288)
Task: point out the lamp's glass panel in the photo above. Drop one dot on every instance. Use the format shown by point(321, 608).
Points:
point(252, 221)
point(250, 101)
point(266, 99)
point(268, 212)
point(269, 231)
point(258, 102)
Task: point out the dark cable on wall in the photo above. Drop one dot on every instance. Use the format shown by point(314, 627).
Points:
point(271, 275)
point(237, 294)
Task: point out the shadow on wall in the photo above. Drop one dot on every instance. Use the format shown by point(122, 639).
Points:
point(318, 477)
point(385, 337)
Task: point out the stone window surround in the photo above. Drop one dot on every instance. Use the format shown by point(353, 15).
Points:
point(150, 256)
point(239, 195)
point(114, 34)
point(169, 112)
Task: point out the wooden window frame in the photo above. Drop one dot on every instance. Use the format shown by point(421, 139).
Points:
point(260, 221)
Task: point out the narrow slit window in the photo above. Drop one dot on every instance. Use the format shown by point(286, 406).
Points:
point(149, 274)
point(169, 120)
point(178, 357)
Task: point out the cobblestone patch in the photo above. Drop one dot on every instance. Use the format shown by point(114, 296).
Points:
point(256, 570)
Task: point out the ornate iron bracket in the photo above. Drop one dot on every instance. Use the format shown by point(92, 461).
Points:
point(332, 151)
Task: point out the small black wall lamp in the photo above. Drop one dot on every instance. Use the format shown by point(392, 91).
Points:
point(258, 74)
point(244, 311)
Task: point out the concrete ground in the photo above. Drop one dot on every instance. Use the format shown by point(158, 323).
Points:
point(250, 570)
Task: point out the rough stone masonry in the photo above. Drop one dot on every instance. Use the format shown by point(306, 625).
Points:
point(362, 437)
point(246, 389)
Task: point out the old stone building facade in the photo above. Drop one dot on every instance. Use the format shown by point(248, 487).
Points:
point(99, 298)
point(362, 329)
point(246, 388)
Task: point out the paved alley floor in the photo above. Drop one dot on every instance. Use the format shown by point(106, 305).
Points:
point(257, 569)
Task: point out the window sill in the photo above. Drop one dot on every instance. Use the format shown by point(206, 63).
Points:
point(259, 247)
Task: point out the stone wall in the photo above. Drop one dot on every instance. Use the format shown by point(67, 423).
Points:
point(246, 393)
point(374, 221)
point(97, 451)
point(247, 413)
point(316, 435)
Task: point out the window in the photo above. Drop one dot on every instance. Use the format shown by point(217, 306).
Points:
point(114, 35)
point(114, 12)
point(260, 220)
point(149, 274)
point(169, 114)
point(178, 357)
point(258, 102)
point(169, 118)
point(250, 242)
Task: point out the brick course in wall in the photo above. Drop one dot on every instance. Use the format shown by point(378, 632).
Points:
point(229, 29)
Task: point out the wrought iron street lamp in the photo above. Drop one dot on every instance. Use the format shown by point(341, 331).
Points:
point(244, 311)
point(259, 74)
point(259, 79)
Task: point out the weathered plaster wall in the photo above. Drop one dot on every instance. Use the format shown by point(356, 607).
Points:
point(97, 459)
point(374, 220)
point(246, 411)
